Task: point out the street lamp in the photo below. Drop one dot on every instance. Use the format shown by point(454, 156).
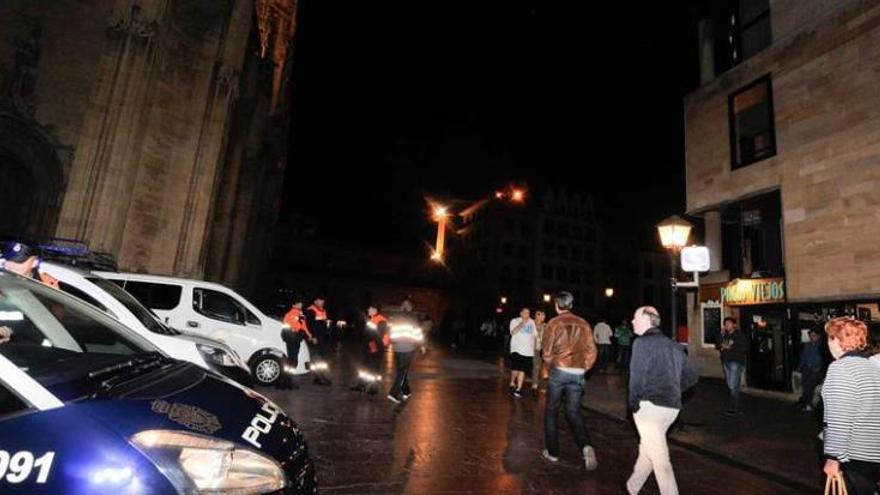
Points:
point(503, 300)
point(441, 214)
point(674, 233)
point(517, 195)
point(609, 292)
point(546, 298)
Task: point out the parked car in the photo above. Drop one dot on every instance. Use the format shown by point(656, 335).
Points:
point(113, 300)
point(216, 311)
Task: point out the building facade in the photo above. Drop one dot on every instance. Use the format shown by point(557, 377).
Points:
point(783, 166)
point(154, 130)
point(535, 247)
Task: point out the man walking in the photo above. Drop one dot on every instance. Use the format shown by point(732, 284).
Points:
point(406, 337)
point(522, 349)
point(624, 335)
point(734, 346)
point(569, 351)
point(537, 360)
point(811, 366)
point(603, 340)
point(659, 372)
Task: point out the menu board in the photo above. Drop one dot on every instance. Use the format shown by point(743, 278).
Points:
point(711, 323)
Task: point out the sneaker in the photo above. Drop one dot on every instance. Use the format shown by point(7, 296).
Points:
point(406, 396)
point(806, 408)
point(551, 458)
point(517, 394)
point(590, 461)
point(393, 399)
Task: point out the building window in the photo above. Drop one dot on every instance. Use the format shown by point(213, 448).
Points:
point(590, 234)
point(549, 227)
point(752, 130)
point(750, 26)
point(577, 254)
point(577, 232)
point(508, 226)
point(561, 275)
point(576, 276)
point(506, 273)
point(588, 277)
point(563, 251)
point(547, 271)
point(523, 229)
point(563, 230)
point(522, 273)
point(507, 249)
point(549, 249)
point(523, 252)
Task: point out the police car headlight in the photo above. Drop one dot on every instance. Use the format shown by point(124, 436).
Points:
point(199, 464)
point(219, 357)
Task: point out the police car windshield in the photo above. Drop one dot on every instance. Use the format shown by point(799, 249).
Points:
point(144, 315)
point(59, 340)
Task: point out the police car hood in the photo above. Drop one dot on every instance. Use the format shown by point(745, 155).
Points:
point(192, 400)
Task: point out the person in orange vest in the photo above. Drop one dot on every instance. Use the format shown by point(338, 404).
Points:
point(319, 325)
point(22, 259)
point(294, 332)
point(376, 339)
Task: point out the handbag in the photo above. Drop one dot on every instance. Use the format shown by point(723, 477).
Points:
point(835, 485)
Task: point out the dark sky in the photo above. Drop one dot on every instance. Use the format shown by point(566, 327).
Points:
point(397, 99)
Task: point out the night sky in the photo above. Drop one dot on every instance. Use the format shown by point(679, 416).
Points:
point(414, 98)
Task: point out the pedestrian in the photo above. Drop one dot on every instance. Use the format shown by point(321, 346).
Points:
point(293, 333)
point(603, 341)
point(317, 322)
point(851, 394)
point(522, 350)
point(487, 333)
point(537, 360)
point(569, 351)
point(624, 335)
point(376, 338)
point(659, 373)
point(406, 337)
point(810, 366)
point(734, 346)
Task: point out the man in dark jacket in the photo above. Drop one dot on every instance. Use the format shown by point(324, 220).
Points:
point(659, 373)
point(734, 347)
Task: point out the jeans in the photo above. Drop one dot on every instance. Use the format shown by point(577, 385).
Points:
point(810, 378)
point(402, 360)
point(733, 377)
point(572, 387)
point(653, 422)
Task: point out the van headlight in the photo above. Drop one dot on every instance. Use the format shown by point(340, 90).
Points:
point(219, 357)
point(200, 464)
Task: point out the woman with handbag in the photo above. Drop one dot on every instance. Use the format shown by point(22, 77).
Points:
point(852, 408)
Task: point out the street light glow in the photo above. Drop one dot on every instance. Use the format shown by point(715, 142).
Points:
point(674, 232)
point(609, 292)
point(517, 195)
point(503, 300)
point(546, 298)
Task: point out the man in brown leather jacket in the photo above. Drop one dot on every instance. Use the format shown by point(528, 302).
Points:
point(569, 351)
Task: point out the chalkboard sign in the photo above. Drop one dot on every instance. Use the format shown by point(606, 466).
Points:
point(711, 323)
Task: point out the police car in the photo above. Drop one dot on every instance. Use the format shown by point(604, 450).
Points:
point(89, 406)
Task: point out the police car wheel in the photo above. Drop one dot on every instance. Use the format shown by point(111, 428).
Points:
point(267, 370)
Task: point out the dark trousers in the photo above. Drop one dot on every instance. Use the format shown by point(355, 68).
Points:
point(293, 340)
point(810, 378)
point(569, 387)
point(324, 345)
point(623, 356)
point(861, 477)
point(402, 360)
point(604, 355)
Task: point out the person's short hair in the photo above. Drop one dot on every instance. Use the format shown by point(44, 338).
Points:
point(540, 311)
point(730, 319)
point(850, 332)
point(564, 300)
point(653, 315)
point(525, 308)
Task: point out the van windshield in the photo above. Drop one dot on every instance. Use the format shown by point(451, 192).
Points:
point(144, 315)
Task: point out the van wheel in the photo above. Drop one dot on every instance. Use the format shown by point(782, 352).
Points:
point(267, 369)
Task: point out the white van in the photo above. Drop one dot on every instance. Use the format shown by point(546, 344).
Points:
point(110, 298)
point(216, 311)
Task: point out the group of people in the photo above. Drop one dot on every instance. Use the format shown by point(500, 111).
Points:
point(403, 330)
point(567, 346)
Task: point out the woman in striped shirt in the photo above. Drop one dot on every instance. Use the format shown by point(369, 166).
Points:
point(852, 408)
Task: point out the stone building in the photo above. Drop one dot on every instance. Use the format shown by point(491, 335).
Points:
point(783, 165)
point(154, 130)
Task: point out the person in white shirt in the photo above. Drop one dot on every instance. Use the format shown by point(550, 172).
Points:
point(602, 332)
point(522, 348)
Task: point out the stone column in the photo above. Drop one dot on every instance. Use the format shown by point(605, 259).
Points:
point(713, 239)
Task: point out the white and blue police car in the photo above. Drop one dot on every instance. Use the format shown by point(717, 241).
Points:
point(88, 406)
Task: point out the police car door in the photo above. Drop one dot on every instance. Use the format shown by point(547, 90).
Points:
point(219, 315)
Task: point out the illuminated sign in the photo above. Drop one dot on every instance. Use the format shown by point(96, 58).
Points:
point(746, 292)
